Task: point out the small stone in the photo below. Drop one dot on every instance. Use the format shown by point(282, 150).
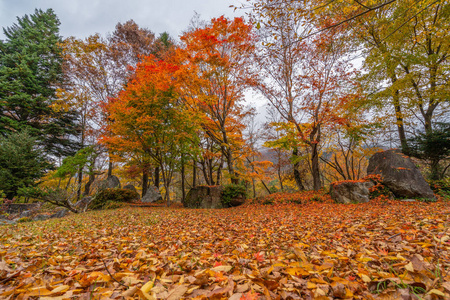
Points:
point(350, 191)
point(60, 214)
point(26, 213)
point(41, 218)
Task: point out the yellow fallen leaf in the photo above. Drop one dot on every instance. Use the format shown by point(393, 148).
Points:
point(60, 289)
point(310, 285)
point(436, 292)
point(409, 267)
point(147, 287)
point(130, 292)
point(222, 268)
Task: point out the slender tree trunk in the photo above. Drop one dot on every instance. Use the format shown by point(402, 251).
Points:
point(297, 175)
point(110, 167)
point(157, 181)
point(205, 173)
point(68, 183)
point(183, 192)
point(399, 116)
point(219, 171)
point(233, 175)
point(211, 171)
point(254, 188)
point(144, 182)
point(315, 167)
point(80, 180)
point(194, 174)
point(87, 186)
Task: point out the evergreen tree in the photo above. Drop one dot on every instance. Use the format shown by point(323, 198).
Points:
point(21, 162)
point(30, 73)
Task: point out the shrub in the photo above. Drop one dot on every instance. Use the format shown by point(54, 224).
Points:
point(102, 198)
point(232, 191)
point(441, 187)
point(379, 189)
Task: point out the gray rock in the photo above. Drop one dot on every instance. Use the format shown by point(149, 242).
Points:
point(113, 182)
point(8, 222)
point(399, 174)
point(109, 183)
point(408, 200)
point(26, 213)
point(350, 192)
point(152, 195)
point(41, 218)
point(60, 214)
point(130, 187)
point(204, 197)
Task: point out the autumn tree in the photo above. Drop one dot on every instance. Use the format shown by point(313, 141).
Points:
point(97, 69)
point(215, 75)
point(307, 82)
point(148, 118)
point(407, 45)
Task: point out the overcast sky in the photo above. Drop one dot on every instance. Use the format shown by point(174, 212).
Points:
point(82, 18)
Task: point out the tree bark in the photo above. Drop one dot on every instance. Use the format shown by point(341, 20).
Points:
point(157, 181)
point(87, 186)
point(297, 175)
point(183, 192)
point(315, 170)
point(194, 174)
point(144, 182)
point(399, 116)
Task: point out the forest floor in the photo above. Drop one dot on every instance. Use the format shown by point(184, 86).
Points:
point(314, 250)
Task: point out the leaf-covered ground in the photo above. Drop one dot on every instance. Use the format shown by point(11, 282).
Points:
point(379, 250)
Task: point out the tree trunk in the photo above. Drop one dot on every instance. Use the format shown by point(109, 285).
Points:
point(183, 193)
point(110, 167)
point(233, 175)
point(254, 188)
point(211, 171)
point(144, 182)
point(87, 186)
point(157, 181)
point(80, 180)
point(399, 116)
point(315, 170)
point(205, 173)
point(297, 175)
point(219, 171)
point(194, 174)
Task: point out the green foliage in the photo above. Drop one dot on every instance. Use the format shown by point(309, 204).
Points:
point(232, 191)
point(22, 163)
point(104, 198)
point(113, 205)
point(317, 198)
point(433, 147)
point(72, 164)
point(30, 71)
point(24, 220)
point(441, 187)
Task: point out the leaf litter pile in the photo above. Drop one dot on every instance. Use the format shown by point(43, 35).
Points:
point(378, 250)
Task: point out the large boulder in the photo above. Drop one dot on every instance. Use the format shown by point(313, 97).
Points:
point(152, 195)
point(203, 196)
point(350, 191)
point(109, 183)
point(399, 174)
point(130, 187)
